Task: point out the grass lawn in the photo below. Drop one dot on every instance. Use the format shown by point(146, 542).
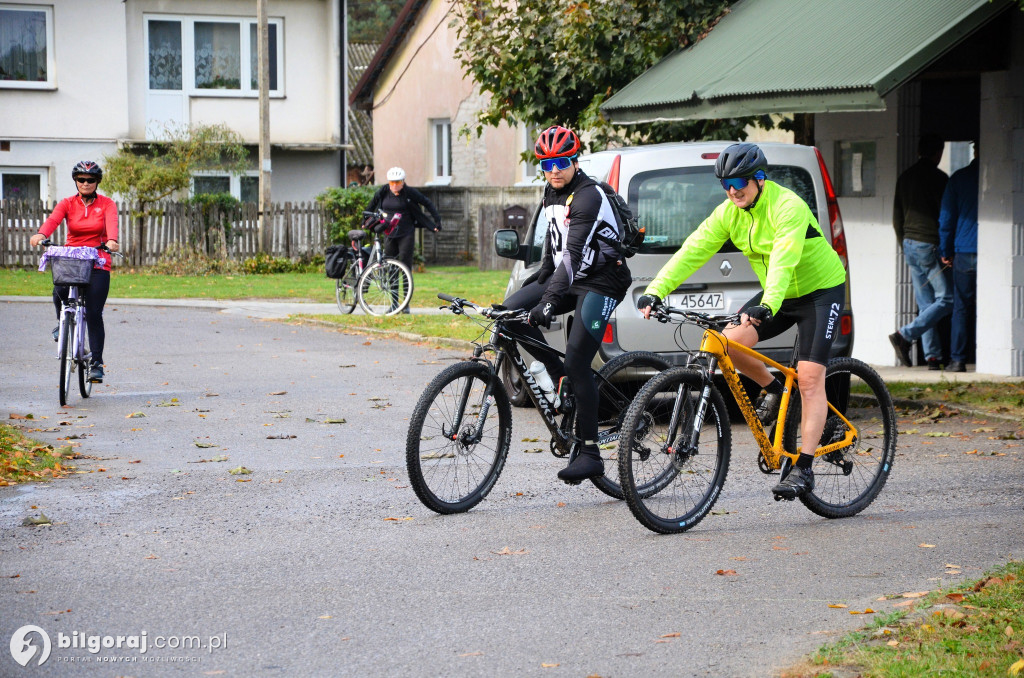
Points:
point(463, 281)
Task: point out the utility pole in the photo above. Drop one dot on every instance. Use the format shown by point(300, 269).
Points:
point(263, 59)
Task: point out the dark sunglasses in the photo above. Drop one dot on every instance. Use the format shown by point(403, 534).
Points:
point(86, 180)
point(739, 183)
point(550, 164)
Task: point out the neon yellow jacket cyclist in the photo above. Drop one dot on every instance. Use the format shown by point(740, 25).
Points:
point(780, 237)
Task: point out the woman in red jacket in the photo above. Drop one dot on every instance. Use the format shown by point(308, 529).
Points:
point(92, 221)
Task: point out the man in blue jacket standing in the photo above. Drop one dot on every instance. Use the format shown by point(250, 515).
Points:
point(958, 242)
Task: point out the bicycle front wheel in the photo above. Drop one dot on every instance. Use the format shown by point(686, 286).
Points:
point(84, 360)
point(847, 480)
point(668, 484)
point(385, 288)
point(345, 289)
point(619, 380)
point(458, 439)
point(67, 357)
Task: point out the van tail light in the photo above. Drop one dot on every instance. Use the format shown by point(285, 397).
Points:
point(835, 219)
point(613, 173)
point(609, 334)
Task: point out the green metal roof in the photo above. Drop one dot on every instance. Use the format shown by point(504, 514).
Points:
point(800, 56)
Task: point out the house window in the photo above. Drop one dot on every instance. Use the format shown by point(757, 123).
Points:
point(26, 60)
point(530, 170)
point(245, 188)
point(21, 184)
point(442, 145)
point(211, 55)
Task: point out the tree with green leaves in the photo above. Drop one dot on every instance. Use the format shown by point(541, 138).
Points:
point(556, 61)
point(370, 20)
point(142, 174)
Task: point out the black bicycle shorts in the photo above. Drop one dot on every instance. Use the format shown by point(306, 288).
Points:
point(816, 316)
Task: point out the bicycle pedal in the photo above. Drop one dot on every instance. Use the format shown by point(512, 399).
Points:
point(782, 497)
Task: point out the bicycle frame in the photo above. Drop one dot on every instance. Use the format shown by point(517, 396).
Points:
point(74, 306)
point(716, 346)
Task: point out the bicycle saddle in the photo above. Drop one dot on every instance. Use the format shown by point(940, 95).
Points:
point(356, 234)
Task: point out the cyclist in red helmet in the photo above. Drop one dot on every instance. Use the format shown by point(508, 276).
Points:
point(581, 272)
point(92, 221)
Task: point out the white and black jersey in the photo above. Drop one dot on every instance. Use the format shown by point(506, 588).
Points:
point(581, 228)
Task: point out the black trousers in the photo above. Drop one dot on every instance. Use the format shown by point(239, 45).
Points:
point(95, 298)
point(401, 248)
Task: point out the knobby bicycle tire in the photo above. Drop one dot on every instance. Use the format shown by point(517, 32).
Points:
point(670, 489)
point(385, 288)
point(623, 377)
point(67, 359)
point(848, 480)
point(346, 288)
point(453, 476)
point(84, 360)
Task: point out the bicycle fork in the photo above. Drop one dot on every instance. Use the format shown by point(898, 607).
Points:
point(474, 433)
point(692, 436)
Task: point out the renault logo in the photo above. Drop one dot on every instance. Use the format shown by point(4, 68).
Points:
point(725, 268)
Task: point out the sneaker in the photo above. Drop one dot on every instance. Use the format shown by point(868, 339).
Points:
point(96, 373)
point(797, 483)
point(587, 464)
point(55, 331)
point(767, 408)
point(934, 364)
point(902, 347)
point(956, 366)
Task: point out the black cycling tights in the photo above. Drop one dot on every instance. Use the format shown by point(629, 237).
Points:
point(95, 298)
point(591, 314)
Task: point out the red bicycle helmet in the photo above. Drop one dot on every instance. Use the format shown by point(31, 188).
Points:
point(87, 168)
point(556, 142)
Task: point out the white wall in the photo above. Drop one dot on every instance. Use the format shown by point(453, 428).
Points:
point(1000, 344)
point(299, 176)
point(870, 238)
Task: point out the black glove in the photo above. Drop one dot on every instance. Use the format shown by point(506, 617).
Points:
point(540, 316)
point(760, 313)
point(541, 275)
point(437, 227)
point(646, 300)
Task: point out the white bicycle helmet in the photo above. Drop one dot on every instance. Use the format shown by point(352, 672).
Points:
point(396, 174)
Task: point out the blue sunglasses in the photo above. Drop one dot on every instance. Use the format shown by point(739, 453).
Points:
point(550, 164)
point(739, 183)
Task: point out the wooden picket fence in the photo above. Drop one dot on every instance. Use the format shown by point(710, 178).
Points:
point(293, 230)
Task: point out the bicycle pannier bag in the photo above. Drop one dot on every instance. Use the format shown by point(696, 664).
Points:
point(336, 261)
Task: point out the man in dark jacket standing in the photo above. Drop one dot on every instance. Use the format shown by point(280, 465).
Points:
point(958, 231)
point(915, 218)
point(398, 198)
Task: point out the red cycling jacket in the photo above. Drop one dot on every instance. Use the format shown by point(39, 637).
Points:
point(88, 226)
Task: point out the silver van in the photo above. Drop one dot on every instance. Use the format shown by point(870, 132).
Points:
point(672, 188)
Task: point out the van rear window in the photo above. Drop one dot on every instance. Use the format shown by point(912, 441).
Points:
point(671, 203)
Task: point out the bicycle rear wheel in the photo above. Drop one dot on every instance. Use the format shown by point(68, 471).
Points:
point(620, 380)
point(668, 486)
point(385, 288)
point(346, 287)
point(67, 356)
point(848, 480)
point(458, 441)
point(85, 360)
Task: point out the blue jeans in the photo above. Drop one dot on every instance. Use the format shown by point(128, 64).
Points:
point(965, 282)
point(933, 292)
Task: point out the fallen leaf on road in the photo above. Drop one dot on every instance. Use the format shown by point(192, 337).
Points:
point(915, 594)
point(927, 546)
point(278, 393)
point(152, 557)
point(335, 421)
point(866, 611)
point(955, 597)
point(33, 521)
point(727, 573)
point(509, 552)
point(548, 666)
point(240, 471)
point(281, 436)
point(398, 519)
point(203, 445)
point(839, 605)
point(472, 654)
point(671, 635)
point(135, 415)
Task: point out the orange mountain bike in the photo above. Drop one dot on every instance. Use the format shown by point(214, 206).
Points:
point(676, 440)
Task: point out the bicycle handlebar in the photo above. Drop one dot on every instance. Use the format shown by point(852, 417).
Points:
point(457, 306)
point(103, 248)
point(664, 314)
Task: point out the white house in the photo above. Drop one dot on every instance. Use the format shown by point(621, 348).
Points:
point(78, 78)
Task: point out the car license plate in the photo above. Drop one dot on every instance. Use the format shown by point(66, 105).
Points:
point(704, 301)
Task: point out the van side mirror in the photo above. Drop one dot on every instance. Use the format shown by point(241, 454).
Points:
point(506, 244)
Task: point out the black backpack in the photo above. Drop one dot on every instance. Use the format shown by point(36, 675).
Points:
point(632, 234)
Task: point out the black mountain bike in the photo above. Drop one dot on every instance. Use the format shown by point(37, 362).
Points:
point(461, 429)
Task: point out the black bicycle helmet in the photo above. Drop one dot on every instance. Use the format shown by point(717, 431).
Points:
point(740, 160)
point(87, 168)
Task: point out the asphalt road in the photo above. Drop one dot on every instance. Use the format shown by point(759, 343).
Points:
point(322, 562)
